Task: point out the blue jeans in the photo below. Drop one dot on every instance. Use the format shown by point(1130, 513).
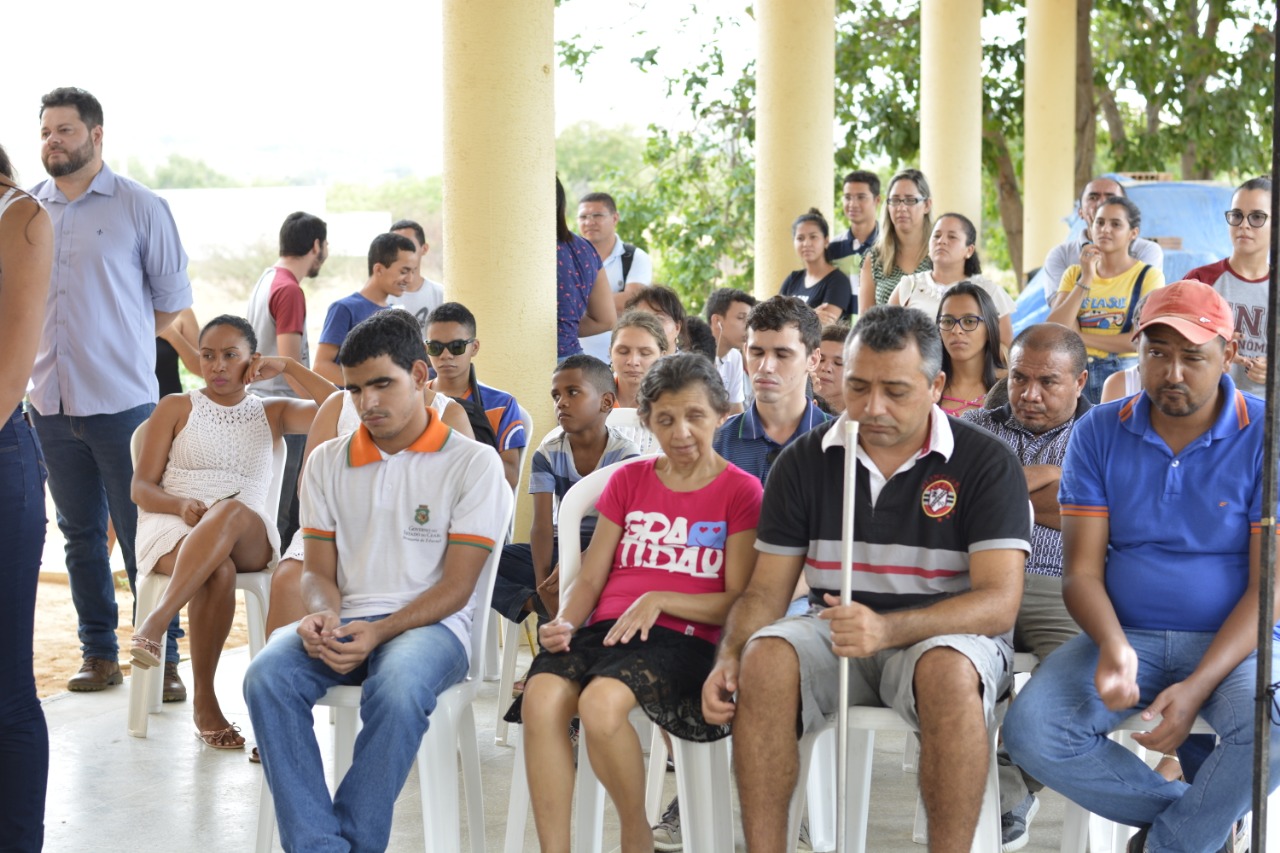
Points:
point(1057, 728)
point(1100, 369)
point(515, 581)
point(24, 737)
point(401, 682)
point(91, 475)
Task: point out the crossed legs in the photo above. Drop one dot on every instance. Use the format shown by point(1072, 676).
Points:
point(203, 567)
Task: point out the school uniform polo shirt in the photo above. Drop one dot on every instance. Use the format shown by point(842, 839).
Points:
point(392, 517)
point(1178, 546)
point(964, 492)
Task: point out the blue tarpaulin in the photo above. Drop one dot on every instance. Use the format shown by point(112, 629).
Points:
point(1192, 211)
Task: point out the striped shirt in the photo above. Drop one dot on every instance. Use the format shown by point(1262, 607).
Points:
point(553, 471)
point(1031, 448)
point(914, 532)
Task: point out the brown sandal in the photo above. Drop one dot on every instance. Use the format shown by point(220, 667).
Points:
point(145, 653)
point(228, 738)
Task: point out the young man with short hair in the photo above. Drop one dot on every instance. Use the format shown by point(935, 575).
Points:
point(628, 267)
point(782, 350)
point(400, 517)
point(423, 295)
point(861, 203)
point(583, 391)
point(727, 309)
point(392, 259)
point(451, 345)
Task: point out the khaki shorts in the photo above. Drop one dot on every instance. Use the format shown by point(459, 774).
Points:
point(885, 679)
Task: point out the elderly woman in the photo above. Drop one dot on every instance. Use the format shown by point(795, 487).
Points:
point(201, 489)
point(672, 549)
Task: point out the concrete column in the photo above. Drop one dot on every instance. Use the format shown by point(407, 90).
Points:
point(795, 117)
point(1048, 165)
point(951, 105)
point(499, 155)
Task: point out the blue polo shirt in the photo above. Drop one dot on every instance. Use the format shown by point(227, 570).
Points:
point(743, 441)
point(1178, 551)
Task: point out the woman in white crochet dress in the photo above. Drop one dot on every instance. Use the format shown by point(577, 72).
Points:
point(201, 489)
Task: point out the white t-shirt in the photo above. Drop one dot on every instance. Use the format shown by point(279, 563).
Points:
point(420, 304)
point(393, 517)
point(921, 292)
point(731, 374)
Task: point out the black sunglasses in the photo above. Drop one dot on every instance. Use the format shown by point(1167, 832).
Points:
point(457, 347)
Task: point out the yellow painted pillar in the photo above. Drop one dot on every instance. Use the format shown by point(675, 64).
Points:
point(795, 116)
point(951, 105)
point(1048, 165)
point(499, 150)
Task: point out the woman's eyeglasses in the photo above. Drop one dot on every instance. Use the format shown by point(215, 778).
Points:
point(904, 201)
point(1256, 219)
point(968, 322)
point(457, 347)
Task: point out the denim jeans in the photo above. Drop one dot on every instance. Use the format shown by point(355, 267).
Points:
point(287, 512)
point(24, 737)
point(1100, 369)
point(401, 681)
point(91, 475)
point(1056, 730)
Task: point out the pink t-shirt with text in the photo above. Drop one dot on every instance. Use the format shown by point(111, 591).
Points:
point(672, 541)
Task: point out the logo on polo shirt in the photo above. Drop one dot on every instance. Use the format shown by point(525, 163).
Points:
point(939, 498)
point(422, 514)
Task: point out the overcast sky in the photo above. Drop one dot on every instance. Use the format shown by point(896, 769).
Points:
point(272, 89)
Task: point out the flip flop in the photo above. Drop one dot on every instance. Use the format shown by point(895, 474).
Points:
point(145, 653)
point(228, 738)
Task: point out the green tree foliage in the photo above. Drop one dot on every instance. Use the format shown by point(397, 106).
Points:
point(180, 173)
point(592, 158)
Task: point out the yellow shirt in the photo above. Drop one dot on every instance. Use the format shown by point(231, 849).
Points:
point(1105, 306)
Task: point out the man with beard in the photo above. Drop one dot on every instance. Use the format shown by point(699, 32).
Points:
point(278, 314)
point(119, 277)
point(1046, 382)
point(1162, 524)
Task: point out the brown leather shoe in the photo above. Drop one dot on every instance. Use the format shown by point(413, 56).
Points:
point(174, 690)
point(95, 674)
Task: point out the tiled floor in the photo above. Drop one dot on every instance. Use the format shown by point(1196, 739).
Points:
point(112, 792)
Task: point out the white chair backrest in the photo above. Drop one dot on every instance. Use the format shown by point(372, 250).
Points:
point(580, 498)
point(627, 422)
point(482, 612)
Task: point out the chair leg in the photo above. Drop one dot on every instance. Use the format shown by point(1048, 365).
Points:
point(345, 722)
point(255, 609)
point(987, 835)
point(861, 750)
point(807, 778)
point(517, 803)
point(657, 774)
point(438, 767)
point(1075, 829)
point(510, 646)
point(469, 750)
point(821, 799)
point(702, 776)
point(146, 685)
point(492, 640)
point(266, 819)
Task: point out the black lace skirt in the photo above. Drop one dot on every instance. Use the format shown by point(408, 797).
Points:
point(665, 673)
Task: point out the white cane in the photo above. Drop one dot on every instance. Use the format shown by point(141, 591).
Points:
point(846, 593)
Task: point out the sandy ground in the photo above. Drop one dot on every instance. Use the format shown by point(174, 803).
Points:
point(57, 655)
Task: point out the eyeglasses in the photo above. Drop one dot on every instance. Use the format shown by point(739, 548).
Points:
point(457, 347)
point(968, 322)
point(904, 201)
point(590, 217)
point(1256, 219)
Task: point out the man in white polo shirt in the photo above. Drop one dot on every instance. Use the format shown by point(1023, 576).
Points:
point(398, 519)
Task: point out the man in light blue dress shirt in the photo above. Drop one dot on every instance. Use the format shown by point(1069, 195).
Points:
point(119, 277)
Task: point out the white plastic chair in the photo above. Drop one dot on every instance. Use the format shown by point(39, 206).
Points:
point(492, 641)
point(702, 769)
point(148, 684)
point(627, 422)
point(452, 733)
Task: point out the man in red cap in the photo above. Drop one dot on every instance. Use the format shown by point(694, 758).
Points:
point(1161, 500)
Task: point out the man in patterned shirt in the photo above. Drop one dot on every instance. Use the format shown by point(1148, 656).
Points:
point(1047, 373)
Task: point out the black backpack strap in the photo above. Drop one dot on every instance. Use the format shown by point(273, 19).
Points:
point(628, 255)
point(1133, 300)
